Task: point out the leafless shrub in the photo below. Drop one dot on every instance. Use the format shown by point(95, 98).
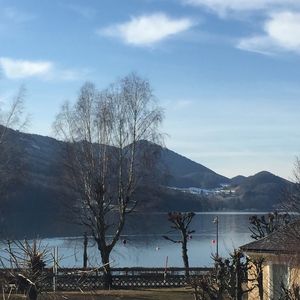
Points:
point(23, 264)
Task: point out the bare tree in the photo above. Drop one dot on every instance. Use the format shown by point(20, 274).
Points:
point(23, 264)
point(228, 279)
point(291, 197)
point(11, 117)
point(290, 204)
point(106, 155)
point(264, 225)
point(181, 223)
point(291, 293)
point(255, 274)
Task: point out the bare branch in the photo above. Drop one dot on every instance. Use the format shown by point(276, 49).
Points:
point(104, 130)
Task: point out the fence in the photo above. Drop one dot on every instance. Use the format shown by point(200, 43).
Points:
point(92, 279)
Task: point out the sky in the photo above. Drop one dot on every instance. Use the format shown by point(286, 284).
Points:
point(226, 72)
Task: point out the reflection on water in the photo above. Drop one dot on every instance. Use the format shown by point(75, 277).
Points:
point(145, 246)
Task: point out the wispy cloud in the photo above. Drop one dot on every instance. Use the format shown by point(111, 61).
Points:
point(47, 70)
point(70, 74)
point(223, 7)
point(177, 105)
point(16, 15)
point(281, 33)
point(82, 10)
point(147, 30)
point(182, 104)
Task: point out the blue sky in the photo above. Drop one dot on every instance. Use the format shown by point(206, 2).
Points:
point(226, 71)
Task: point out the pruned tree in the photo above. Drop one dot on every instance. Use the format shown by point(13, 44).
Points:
point(261, 226)
point(228, 279)
point(181, 224)
point(106, 157)
point(265, 225)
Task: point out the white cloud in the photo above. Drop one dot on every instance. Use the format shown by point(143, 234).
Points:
point(16, 69)
point(147, 30)
point(284, 29)
point(281, 33)
point(47, 70)
point(223, 7)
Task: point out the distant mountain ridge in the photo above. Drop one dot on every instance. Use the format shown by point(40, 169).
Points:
point(263, 189)
point(37, 204)
point(184, 172)
point(237, 180)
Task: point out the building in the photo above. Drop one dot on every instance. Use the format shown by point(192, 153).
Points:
point(278, 255)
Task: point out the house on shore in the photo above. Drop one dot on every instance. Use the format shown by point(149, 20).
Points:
point(277, 260)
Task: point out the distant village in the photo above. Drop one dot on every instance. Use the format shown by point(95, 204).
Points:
point(224, 190)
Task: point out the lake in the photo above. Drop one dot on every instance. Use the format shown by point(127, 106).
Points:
point(145, 246)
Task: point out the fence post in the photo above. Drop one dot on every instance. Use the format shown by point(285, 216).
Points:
point(166, 269)
point(55, 259)
point(85, 244)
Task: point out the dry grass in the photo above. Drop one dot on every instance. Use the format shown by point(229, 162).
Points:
point(147, 294)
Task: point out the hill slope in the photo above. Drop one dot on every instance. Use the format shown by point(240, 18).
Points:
point(262, 190)
point(183, 172)
point(36, 203)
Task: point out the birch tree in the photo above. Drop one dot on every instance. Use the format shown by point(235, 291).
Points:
point(12, 116)
point(106, 159)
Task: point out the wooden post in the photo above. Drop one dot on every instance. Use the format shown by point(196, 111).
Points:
point(55, 262)
point(85, 244)
point(166, 268)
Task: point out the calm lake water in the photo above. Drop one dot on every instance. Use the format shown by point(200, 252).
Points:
point(145, 246)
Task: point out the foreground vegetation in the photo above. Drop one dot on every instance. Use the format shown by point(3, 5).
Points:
point(155, 294)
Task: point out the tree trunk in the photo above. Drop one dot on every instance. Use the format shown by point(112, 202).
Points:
point(85, 257)
point(260, 284)
point(107, 277)
point(185, 257)
point(238, 288)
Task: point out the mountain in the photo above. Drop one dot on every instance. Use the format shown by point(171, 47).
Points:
point(262, 190)
point(183, 172)
point(178, 171)
point(35, 204)
point(237, 180)
point(38, 197)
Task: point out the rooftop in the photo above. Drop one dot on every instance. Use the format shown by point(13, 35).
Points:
point(284, 240)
